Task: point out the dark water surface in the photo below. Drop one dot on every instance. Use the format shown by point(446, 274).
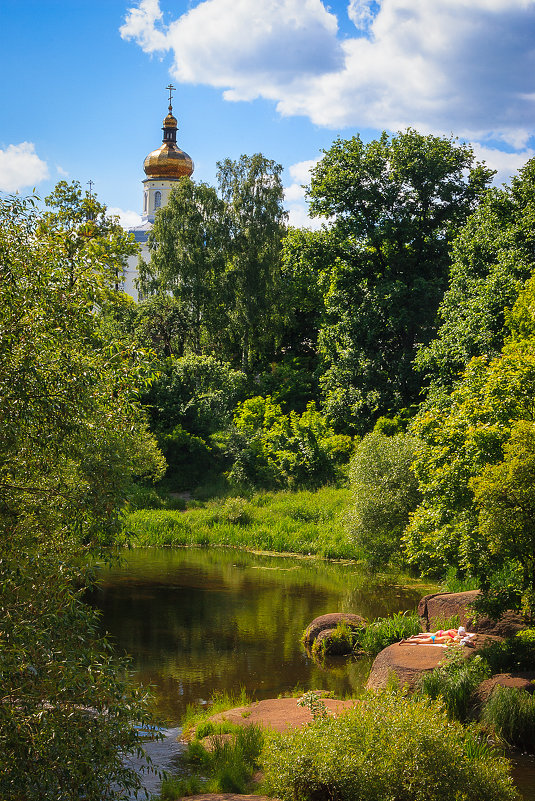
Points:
point(197, 621)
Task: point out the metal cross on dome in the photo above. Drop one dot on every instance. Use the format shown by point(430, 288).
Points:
point(171, 89)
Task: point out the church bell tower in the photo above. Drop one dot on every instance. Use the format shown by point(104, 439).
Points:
point(163, 167)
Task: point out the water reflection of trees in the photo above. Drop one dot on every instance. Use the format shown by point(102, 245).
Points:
point(199, 620)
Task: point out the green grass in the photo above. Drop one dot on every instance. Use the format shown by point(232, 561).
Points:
point(283, 522)
point(510, 715)
point(227, 768)
point(196, 721)
point(387, 630)
point(455, 683)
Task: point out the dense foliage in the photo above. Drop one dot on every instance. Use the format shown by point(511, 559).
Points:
point(72, 439)
point(474, 468)
point(492, 257)
point(393, 208)
point(388, 747)
point(385, 491)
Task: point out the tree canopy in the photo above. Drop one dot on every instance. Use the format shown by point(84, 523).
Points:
point(492, 256)
point(393, 207)
point(72, 438)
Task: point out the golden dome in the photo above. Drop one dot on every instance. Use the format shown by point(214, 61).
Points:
point(168, 162)
point(170, 121)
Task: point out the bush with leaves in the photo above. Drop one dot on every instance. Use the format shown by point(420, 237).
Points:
point(272, 449)
point(388, 747)
point(385, 491)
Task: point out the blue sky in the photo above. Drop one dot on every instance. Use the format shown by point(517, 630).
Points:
point(83, 91)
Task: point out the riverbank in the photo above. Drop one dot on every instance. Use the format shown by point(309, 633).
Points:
point(304, 522)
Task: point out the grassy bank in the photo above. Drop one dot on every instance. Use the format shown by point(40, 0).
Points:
point(284, 522)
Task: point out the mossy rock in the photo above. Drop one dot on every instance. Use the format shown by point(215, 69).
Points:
point(330, 622)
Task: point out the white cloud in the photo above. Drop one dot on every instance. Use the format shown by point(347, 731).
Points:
point(298, 217)
point(60, 171)
point(140, 24)
point(505, 164)
point(362, 13)
point(21, 167)
point(461, 65)
point(127, 218)
point(294, 195)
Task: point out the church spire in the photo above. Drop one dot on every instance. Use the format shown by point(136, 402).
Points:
point(170, 124)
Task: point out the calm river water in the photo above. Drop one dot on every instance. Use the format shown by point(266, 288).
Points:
point(198, 621)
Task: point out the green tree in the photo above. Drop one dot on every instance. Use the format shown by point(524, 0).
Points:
point(77, 224)
point(307, 257)
point(189, 244)
point(393, 207)
point(385, 491)
point(491, 258)
point(253, 193)
point(192, 398)
point(466, 436)
point(505, 498)
point(72, 439)
point(460, 435)
point(160, 324)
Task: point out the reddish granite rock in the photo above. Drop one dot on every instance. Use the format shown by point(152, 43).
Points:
point(409, 662)
point(443, 605)
point(279, 714)
point(436, 608)
point(331, 621)
point(520, 681)
point(406, 662)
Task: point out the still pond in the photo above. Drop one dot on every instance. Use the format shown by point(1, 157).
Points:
point(198, 621)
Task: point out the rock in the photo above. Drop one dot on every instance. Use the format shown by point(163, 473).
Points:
point(443, 605)
point(409, 662)
point(521, 681)
point(332, 646)
point(331, 621)
point(279, 714)
point(406, 662)
point(435, 609)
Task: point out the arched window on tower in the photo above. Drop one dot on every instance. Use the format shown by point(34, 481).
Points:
point(145, 197)
point(157, 199)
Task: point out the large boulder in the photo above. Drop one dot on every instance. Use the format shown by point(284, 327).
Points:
point(404, 663)
point(407, 663)
point(518, 681)
point(331, 621)
point(436, 608)
point(442, 606)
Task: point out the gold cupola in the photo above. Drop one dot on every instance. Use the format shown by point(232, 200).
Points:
point(168, 161)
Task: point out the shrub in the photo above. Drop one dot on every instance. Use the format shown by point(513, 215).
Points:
point(388, 747)
point(272, 449)
point(510, 715)
point(455, 683)
point(514, 653)
point(342, 641)
point(385, 491)
point(387, 630)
